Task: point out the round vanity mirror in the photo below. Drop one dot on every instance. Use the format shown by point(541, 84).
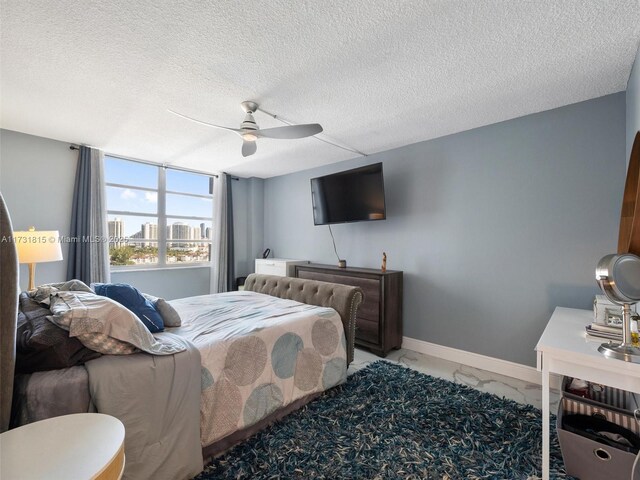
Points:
point(619, 278)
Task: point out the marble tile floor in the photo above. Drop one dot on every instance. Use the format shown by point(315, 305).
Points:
point(503, 386)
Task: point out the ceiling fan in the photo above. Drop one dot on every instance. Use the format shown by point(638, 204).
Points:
point(250, 132)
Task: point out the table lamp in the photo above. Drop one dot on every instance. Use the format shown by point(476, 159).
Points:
point(37, 247)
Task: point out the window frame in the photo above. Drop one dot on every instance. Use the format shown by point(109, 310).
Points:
point(161, 216)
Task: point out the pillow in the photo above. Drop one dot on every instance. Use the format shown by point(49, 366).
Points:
point(131, 298)
point(42, 293)
point(170, 316)
point(42, 345)
point(106, 326)
point(74, 285)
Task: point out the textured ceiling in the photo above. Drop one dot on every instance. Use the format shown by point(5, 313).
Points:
point(376, 74)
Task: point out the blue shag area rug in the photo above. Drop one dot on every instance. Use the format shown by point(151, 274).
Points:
point(388, 422)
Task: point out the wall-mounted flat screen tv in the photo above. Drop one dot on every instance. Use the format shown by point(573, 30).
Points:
point(350, 196)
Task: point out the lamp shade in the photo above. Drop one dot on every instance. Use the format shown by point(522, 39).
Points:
point(38, 246)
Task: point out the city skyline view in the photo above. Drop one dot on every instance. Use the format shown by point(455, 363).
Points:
point(185, 244)
point(178, 230)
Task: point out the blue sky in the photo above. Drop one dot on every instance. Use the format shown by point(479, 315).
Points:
point(140, 201)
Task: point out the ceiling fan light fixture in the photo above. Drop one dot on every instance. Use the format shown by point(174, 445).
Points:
point(250, 132)
point(249, 137)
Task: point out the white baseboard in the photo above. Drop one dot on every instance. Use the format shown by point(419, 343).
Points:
point(491, 364)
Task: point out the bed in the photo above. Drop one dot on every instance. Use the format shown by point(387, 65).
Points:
point(249, 358)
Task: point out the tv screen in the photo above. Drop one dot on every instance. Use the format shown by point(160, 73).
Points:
point(350, 196)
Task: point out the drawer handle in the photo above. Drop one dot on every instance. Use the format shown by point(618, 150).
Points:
point(602, 454)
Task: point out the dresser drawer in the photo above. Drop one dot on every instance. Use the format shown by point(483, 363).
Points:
point(370, 307)
point(367, 330)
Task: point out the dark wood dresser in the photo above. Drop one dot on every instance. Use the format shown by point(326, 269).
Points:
point(379, 318)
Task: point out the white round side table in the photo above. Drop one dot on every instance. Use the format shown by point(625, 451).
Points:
point(81, 446)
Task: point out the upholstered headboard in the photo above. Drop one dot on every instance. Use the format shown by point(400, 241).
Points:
point(8, 313)
point(342, 298)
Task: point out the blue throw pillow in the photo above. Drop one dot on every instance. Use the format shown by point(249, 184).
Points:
point(131, 298)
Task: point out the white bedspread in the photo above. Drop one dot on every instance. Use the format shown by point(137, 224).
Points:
point(258, 353)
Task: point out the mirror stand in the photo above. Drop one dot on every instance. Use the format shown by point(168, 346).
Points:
point(626, 350)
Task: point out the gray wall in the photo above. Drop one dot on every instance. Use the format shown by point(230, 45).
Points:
point(248, 213)
point(493, 227)
point(168, 283)
point(633, 103)
point(37, 184)
point(37, 179)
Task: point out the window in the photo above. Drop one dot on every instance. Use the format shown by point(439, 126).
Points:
point(157, 216)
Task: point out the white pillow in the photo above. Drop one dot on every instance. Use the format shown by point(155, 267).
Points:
point(170, 316)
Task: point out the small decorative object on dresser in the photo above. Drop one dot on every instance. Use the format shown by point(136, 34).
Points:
point(282, 267)
point(379, 318)
point(384, 262)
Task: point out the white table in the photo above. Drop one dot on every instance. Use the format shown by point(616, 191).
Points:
point(82, 446)
point(564, 349)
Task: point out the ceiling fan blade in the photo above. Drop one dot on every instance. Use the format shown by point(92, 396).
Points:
point(290, 131)
point(248, 148)
point(204, 123)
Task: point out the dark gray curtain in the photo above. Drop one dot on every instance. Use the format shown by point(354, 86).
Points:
point(231, 270)
point(222, 259)
point(88, 259)
point(8, 315)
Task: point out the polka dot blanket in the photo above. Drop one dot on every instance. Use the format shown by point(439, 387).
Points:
point(259, 353)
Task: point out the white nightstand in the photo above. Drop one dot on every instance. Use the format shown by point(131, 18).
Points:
point(282, 267)
point(82, 446)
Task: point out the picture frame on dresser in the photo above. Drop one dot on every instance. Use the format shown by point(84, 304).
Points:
point(379, 318)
